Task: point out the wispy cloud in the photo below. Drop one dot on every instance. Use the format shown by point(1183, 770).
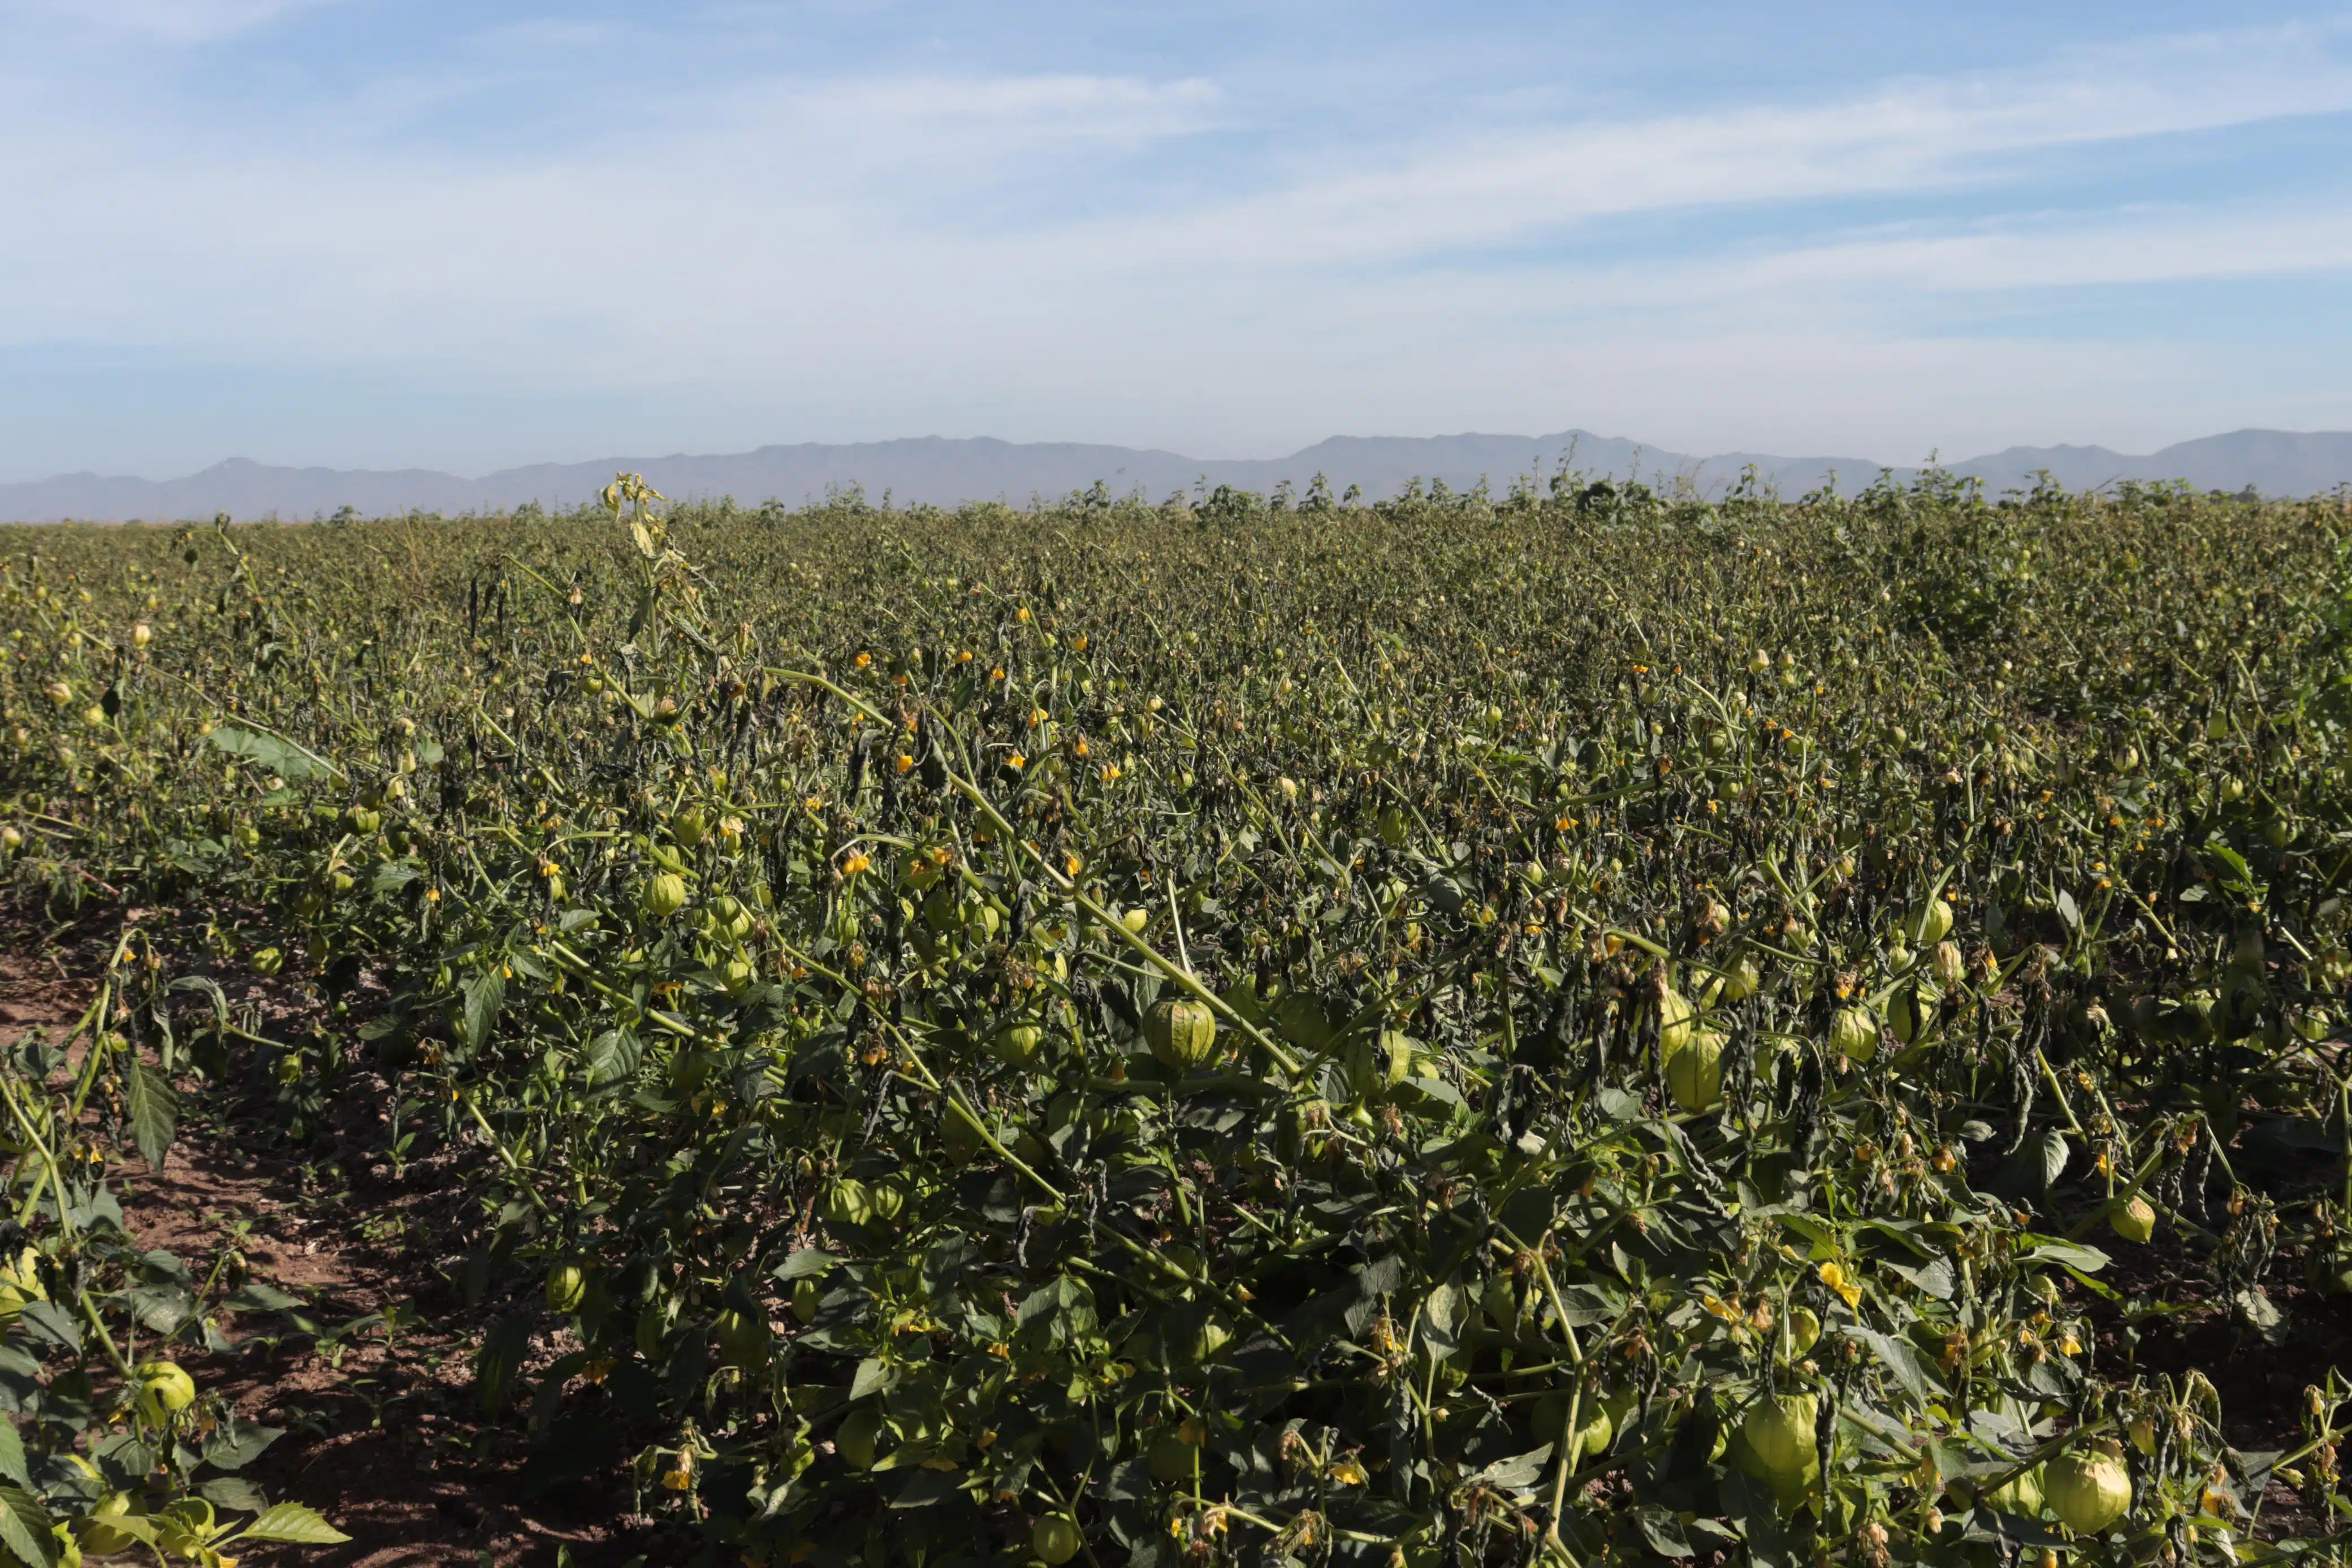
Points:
point(160, 21)
point(934, 242)
point(1903, 137)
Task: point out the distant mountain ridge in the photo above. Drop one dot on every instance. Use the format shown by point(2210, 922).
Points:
point(944, 472)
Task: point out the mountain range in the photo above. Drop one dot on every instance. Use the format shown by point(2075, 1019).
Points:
point(944, 472)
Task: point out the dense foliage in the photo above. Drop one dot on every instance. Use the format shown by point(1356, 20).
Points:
point(1585, 1027)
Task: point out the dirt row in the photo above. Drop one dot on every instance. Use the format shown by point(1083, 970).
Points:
point(382, 1432)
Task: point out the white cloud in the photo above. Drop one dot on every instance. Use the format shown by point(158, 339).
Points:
point(911, 250)
point(1905, 136)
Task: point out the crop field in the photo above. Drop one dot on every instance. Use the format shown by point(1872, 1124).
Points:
point(1581, 1027)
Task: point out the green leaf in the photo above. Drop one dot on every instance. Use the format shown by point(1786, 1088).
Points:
point(51, 1322)
point(233, 1449)
point(161, 1309)
point(260, 1296)
point(233, 1492)
point(613, 1056)
point(923, 1488)
point(500, 1358)
point(270, 753)
point(1899, 1358)
point(805, 1260)
point(2072, 1254)
point(295, 1524)
point(2055, 1155)
point(155, 1109)
point(12, 1454)
point(2232, 859)
point(1824, 1236)
point(25, 1528)
point(485, 994)
point(1517, 1473)
point(1664, 1534)
point(872, 1377)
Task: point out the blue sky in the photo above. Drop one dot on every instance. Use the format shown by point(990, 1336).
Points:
point(361, 233)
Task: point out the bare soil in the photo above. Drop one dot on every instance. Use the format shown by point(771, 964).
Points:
point(382, 1436)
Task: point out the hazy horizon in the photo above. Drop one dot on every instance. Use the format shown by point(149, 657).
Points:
point(944, 472)
point(1839, 451)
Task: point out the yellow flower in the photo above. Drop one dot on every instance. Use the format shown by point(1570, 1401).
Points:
point(1016, 760)
point(905, 763)
point(1833, 1275)
point(1347, 1473)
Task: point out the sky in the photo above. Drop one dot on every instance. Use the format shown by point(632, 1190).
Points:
point(395, 233)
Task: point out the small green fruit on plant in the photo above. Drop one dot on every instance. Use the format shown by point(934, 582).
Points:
point(2088, 1492)
point(2021, 1495)
point(163, 1389)
point(849, 1203)
point(20, 1283)
point(664, 896)
point(1016, 1044)
point(99, 1535)
point(2134, 1220)
point(1740, 980)
point(1695, 1073)
point(1674, 1022)
point(1929, 923)
point(1779, 1432)
point(1595, 1427)
point(1056, 1539)
point(1181, 1032)
point(184, 1527)
point(742, 1338)
point(1854, 1034)
point(960, 1137)
point(1303, 1023)
point(567, 1287)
